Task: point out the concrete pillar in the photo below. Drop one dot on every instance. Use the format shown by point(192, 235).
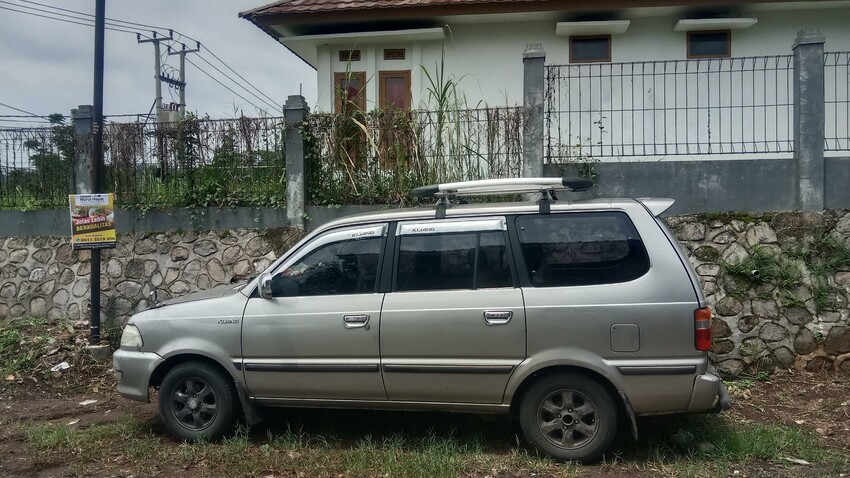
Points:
point(83, 121)
point(533, 100)
point(809, 118)
point(295, 113)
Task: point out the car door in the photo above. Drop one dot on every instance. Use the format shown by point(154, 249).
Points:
point(317, 338)
point(453, 325)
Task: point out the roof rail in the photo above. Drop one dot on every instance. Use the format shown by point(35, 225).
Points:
point(489, 187)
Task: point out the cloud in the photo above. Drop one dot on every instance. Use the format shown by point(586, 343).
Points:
point(47, 65)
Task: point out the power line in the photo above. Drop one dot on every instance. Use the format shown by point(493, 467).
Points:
point(92, 15)
point(272, 104)
point(66, 20)
point(115, 26)
point(21, 111)
point(180, 36)
point(24, 121)
point(222, 84)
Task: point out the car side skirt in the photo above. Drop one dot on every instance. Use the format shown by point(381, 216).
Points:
point(488, 408)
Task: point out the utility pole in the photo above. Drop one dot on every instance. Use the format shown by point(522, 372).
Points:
point(182, 83)
point(160, 140)
point(156, 39)
point(99, 31)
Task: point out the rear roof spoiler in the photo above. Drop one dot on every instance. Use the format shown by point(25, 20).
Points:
point(657, 206)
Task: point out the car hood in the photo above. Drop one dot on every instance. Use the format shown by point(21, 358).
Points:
point(214, 293)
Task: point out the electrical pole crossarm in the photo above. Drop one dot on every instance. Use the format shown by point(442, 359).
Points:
point(155, 38)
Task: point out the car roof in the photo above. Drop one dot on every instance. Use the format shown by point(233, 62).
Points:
point(462, 210)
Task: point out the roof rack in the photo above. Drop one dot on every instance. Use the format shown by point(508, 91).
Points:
point(488, 187)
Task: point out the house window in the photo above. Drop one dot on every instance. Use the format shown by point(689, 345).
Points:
point(716, 44)
point(349, 55)
point(349, 91)
point(587, 49)
point(394, 54)
point(395, 89)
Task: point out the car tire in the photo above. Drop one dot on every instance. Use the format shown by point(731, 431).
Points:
point(197, 401)
point(569, 417)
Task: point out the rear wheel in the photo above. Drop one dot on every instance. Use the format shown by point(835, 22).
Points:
point(197, 401)
point(569, 417)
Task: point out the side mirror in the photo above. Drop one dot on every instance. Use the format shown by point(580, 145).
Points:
point(266, 286)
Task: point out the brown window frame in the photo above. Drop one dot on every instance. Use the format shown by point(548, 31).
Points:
point(361, 97)
point(590, 37)
point(346, 56)
point(382, 77)
point(728, 53)
point(389, 52)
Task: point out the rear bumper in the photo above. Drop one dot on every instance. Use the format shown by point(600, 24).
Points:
point(133, 372)
point(709, 393)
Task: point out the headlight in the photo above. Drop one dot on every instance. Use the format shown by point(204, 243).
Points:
point(131, 337)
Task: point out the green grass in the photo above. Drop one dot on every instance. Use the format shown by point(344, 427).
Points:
point(766, 266)
point(727, 217)
point(676, 447)
point(711, 445)
point(16, 353)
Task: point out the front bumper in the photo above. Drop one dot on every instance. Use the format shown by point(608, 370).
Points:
point(133, 371)
point(709, 393)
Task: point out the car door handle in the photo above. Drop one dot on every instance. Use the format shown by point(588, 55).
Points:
point(497, 317)
point(355, 321)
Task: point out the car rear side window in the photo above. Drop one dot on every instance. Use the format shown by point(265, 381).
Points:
point(581, 249)
point(474, 260)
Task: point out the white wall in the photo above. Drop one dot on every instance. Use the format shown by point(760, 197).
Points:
point(486, 59)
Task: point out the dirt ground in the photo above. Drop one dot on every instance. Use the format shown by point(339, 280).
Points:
point(818, 403)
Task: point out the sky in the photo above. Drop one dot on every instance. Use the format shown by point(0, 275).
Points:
point(46, 66)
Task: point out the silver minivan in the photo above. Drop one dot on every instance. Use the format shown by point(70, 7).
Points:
point(574, 317)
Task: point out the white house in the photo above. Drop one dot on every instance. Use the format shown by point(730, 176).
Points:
point(385, 44)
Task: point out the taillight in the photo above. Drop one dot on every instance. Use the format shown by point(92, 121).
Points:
point(702, 329)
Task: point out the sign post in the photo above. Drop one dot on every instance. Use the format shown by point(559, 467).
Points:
point(93, 228)
point(92, 221)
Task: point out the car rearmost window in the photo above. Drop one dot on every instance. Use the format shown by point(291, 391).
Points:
point(581, 249)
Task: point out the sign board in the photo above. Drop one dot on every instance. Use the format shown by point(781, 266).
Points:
point(92, 221)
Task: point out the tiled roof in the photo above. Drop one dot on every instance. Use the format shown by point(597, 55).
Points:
point(323, 6)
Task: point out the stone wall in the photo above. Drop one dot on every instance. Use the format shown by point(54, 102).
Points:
point(43, 277)
point(762, 319)
point(785, 305)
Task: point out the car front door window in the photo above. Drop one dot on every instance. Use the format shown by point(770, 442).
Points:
point(342, 267)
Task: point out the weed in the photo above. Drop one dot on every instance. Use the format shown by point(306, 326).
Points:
point(731, 442)
point(788, 299)
point(727, 217)
point(764, 266)
point(16, 354)
point(823, 295)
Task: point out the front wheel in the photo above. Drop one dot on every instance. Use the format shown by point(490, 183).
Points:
point(197, 401)
point(569, 417)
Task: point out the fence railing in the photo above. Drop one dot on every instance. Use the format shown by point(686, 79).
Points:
point(664, 108)
point(36, 166)
point(837, 101)
point(372, 158)
point(380, 156)
point(196, 162)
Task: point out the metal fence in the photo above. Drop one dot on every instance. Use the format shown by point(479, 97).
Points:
point(196, 162)
point(35, 169)
point(837, 101)
point(664, 108)
point(380, 156)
